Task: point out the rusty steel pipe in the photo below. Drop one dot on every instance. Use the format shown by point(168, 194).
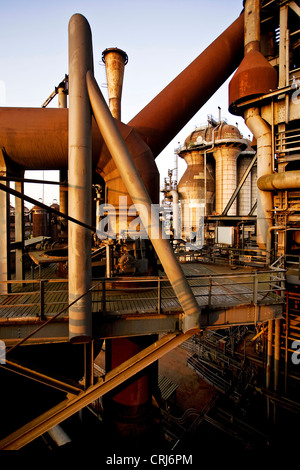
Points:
point(37, 139)
point(252, 26)
point(161, 120)
point(115, 60)
point(262, 132)
point(80, 179)
point(280, 181)
point(141, 199)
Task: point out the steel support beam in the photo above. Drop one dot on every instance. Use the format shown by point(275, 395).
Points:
point(238, 188)
point(118, 325)
point(72, 405)
point(20, 369)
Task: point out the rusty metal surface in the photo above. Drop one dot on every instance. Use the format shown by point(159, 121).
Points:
point(174, 106)
point(115, 60)
point(254, 77)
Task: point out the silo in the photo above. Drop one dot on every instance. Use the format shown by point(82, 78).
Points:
point(196, 187)
point(40, 221)
point(228, 143)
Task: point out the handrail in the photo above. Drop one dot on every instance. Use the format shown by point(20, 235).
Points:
point(258, 289)
point(49, 320)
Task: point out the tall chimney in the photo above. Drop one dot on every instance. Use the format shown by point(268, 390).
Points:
point(115, 60)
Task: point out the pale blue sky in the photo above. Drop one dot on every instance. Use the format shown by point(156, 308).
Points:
point(161, 37)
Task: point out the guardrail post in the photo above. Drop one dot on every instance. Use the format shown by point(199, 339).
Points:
point(42, 299)
point(103, 297)
point(159, 295)
point(255, 288)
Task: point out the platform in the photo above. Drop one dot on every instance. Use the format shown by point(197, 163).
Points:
point(225, 297)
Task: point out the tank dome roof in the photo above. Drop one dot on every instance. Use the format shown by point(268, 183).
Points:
point(221, 133)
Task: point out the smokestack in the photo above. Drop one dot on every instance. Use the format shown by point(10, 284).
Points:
point(115, 60)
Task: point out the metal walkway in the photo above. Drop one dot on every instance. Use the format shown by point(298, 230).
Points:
point(148, 304)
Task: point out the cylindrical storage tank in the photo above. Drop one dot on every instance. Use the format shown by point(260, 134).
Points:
point(192, 193)
point(40, 221)
point(53, 221)
point(228, 144)
point(196, 187)
point(244, 197)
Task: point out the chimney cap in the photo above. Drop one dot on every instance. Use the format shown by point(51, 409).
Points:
point(115, 49)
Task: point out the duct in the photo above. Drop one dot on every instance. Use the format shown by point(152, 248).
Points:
point(176, 222)
point(161, 120)
point(255, 76)
point(140, 197)
point(80, 180)
point(280, 181)
point(262, 133)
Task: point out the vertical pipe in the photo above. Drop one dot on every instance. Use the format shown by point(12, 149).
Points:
point(62, 95)
point(276, 362)
point(262, 132)
point(80, 178)
point(251, 26)
point(4, 229)
point(269, 361)
point(287, 324)
point(276, 354)
point(19, 231)
point(63, 174)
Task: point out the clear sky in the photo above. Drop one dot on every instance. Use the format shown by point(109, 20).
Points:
point(161, 38)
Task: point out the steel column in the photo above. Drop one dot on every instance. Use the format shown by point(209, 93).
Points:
point(80, 178)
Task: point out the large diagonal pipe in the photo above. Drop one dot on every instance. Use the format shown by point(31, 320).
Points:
point(141, 199)
point(36, 138)
point(161, 120)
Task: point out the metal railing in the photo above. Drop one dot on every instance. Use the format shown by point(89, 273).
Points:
point(143, 294)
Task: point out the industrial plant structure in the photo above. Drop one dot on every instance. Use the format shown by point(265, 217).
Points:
point(110, 271)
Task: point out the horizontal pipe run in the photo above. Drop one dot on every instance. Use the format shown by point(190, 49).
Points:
point(143, 203)
point(280, 181)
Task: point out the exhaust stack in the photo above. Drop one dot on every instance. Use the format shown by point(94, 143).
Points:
point(115, 60)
